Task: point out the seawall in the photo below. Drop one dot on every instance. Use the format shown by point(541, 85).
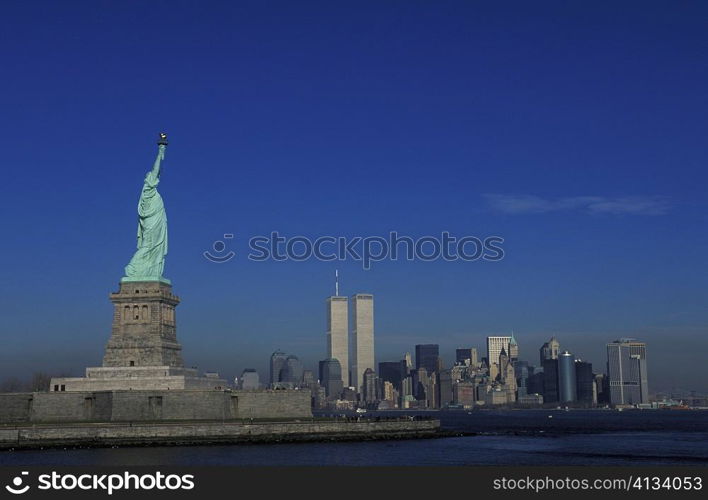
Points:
point(152, 406)
point(183, 433)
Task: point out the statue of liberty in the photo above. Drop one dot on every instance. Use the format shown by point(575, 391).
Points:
point(148, 262)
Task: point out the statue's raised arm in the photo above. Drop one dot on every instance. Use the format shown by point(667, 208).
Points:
point(154, 174)
point(158, 160)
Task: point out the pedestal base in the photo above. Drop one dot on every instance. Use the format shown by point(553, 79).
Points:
point(137, 378)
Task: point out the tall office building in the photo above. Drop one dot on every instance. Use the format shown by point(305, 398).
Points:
point(513, 351)
point(277, 364)
point(249, 380)
point(331, 377)
point(550, 381)
point(407, 388)
point(338, 333)
point(444, 388)
point(362, 337)
point(421, 385)
point(627, 371)
point(389, 393)
point(602, 389)
point(567, 379)
point(308, 378)
point(426, 356)
point(534, 384)
point(409, 361)
point(463, 393)
point(368, 386)
point(507, 376)
point(549, 350)
point(292, 372)
point(522, 371)
point(585, 382)
point(494, 349)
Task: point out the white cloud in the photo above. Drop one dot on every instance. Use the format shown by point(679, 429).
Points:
point(530, 204)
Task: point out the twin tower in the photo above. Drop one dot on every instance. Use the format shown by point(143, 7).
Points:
point(362, 341)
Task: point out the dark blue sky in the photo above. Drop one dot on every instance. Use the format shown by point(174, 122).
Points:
point(575, 131)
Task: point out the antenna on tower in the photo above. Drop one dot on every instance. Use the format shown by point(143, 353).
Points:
point(336, 282)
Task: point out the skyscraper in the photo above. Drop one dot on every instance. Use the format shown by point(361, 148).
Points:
point(602, 388)
point(433, 382)
point(421, 385)
point(331, 377)
point(522, 371)
point(409, 361)
point(513, 351)
point(368, 386)
point(550, 381)
point(444, 388)
point(338, 333)
point(585, 383)
point(308, 378)
point(389, 393)
point(362, 337)
point(494, 348)
point(426, 356)
point(249, 380)
point(549, 350)
point(534, 384)
point(292, 372)
point(507, 376)
point(627, 371)
point(463, 393)
point(567, 380)
point(277, 363)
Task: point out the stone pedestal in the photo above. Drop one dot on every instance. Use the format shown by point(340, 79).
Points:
point(143, 352)
point(144, 329)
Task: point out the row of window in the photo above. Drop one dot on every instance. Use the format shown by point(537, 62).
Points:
point(142, 313)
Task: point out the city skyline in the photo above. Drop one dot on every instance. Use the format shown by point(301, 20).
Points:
point(309, 361)
point(502, 378)
point(569, 140)
point(490, 340)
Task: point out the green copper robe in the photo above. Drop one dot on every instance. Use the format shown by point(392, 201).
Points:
point(148, 263)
